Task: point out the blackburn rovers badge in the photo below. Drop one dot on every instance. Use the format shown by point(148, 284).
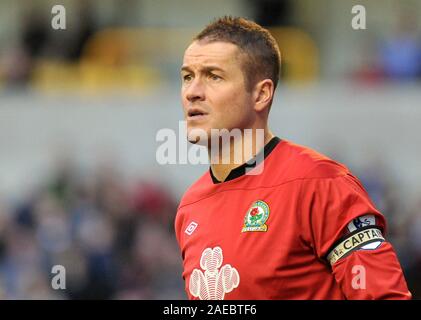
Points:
point(256, 217)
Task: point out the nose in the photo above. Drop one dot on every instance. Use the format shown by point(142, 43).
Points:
point(195, 91)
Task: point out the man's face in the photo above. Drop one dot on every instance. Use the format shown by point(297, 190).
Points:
point(213, 88)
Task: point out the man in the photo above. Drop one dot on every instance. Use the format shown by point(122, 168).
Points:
point(303, 227)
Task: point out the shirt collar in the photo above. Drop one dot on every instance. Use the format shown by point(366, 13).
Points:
point(241, 170)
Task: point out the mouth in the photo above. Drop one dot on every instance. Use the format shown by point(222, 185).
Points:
point(196, 114)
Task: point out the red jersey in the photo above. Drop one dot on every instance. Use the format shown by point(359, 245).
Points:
point(304, 228)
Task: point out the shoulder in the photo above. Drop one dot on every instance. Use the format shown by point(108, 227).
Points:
point(197, 190)
point(193, 194)
point(302, 162)
point(325, 179)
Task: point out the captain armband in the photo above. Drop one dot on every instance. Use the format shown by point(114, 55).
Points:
point(358, 239)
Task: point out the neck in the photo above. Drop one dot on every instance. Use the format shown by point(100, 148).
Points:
point(232, 153)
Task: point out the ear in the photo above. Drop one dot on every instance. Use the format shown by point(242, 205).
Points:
point(263, 94)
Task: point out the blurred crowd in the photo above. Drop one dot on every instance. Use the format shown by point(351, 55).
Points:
point(403, 220)
point(115, 241)
point(395, 57)
point(382, 56)
point(38, 41)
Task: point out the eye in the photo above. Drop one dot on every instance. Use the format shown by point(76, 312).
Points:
point(214, 77)
point(187, 77)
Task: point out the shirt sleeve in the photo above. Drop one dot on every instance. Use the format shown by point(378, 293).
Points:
point(329, 205)
point(372, 275)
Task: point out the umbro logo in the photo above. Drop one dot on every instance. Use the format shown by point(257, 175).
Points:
point(191, 227)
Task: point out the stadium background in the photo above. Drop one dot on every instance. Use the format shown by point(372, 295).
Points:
point(80, 108)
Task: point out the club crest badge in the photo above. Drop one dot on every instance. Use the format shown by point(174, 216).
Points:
point(256, 217)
